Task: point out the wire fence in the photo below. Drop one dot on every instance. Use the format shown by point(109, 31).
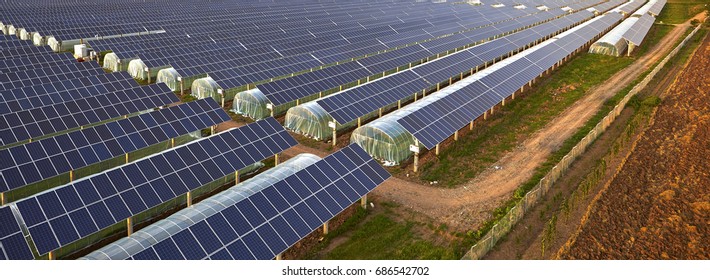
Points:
point(516, 213)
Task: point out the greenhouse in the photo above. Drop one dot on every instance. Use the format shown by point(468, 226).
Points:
point(115, 64)
point(140, 71)
point(163, 229)
point(175, 82)
point(388, 141)
point(253, 103)
point(311, 120)
point(613, 43)
point(11, 29)
point(206, 87)
point(169, 77)
point(59, 46)
point(38, 39)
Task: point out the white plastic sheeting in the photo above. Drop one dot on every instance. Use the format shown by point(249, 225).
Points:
point(644, 9)
point(613, 43)
point(163, 229)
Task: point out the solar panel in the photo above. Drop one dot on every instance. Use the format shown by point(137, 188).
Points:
point(38, 122)
point(638, 31)
point(47, 75)
point(657, 7)
point(438, 120)
point(38, 61)
point(265, 224)
point(67, 213)
point(46, 158)
point(296, 87)
point(13, 245)
point(26, 98)
point(356, 102)
point(24, 52)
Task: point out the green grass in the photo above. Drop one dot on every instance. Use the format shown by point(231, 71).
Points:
point(679, 11)
point(382, 238)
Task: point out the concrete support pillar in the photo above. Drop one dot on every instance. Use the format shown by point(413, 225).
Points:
point(380, 112)
point(182, 87)
point(359, 122)
point(470, 126)
point(335, 136)
point(52, 256)
point(503, 102)
point(278, 257)
point(456, 135)
point(129, 225)
point(436, 150)
point(147, 70)
point(325, 228)
point(416, 163)
point(126, 158)
point(2, 199)
point(399, 104)
point(276, 159)
point(363, 201)
point(172, 142)
point(71, 175)
point(485, 115)
point(212, 129)
point(492, 110)
point(236, 177)
point(188, 199)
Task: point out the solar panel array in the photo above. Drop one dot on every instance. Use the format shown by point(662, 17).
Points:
point(31, 97)
point(48, 74)
point(437, 121)
point(38, 61)
point(13, 245)
point(353, 103)
point(67, 213)
point(262, 225)
point(40, 160)
point(657, 7)
point(638, 31)
point(46, 120)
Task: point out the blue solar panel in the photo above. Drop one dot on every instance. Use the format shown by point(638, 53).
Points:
point(122, 192)
point(263, 224)
point(28, 124)
point(359, 101)
point(13, 245)
point(60, 154)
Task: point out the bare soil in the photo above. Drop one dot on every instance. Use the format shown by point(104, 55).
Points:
point(658, 204)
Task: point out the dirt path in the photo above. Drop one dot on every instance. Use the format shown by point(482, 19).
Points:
point(466, 207)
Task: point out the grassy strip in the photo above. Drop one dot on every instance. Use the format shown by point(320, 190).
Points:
point(679, 11)
point(382, 238)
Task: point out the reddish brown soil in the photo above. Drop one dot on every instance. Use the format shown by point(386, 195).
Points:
point(658, 205)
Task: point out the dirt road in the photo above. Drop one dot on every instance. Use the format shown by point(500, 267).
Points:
point(466, 207)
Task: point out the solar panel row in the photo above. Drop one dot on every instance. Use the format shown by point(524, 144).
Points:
point(46, 158)
point(67, 213)
point(264, 224)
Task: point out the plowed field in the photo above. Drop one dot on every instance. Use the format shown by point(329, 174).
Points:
point(658, 206)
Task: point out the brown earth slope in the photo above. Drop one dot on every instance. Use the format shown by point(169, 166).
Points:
point(658, 206)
